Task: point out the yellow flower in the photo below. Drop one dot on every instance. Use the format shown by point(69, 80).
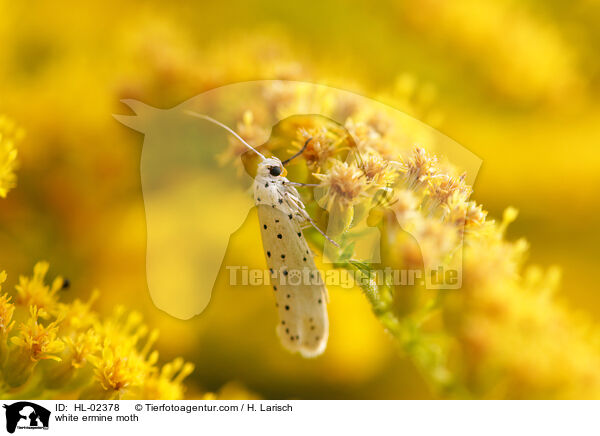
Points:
point(7, 309)
point(118, 367)
point(467, 217)
point(34, 292)
point(376, 169)
point(418, 168)
point(322, 146)
point(87, 355)
point(123, 366)
point(39, 341)
point(443, 187)
point(166, 383)
point(366, 138)
point(78, 315)
point(82, 347)
point(342, 186)
point(77, 352)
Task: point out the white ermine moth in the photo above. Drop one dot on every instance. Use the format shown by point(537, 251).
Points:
point(299, 290)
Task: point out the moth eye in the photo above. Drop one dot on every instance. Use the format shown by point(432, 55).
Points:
point(275, 171)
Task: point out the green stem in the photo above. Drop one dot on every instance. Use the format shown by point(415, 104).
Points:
point(426, 350)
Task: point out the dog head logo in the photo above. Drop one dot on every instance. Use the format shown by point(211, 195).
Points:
point(26, 415)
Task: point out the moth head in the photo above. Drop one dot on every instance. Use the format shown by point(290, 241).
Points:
point(271, 168)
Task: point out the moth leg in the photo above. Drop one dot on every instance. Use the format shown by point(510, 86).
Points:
point(321, 232)
point(303, 184)
point(297, 204)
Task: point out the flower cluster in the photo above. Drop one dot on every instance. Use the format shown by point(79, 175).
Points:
point(503, 333)
point(52, 349)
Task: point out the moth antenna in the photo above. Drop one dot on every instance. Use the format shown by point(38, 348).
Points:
point(299, 153)
point(218, 123)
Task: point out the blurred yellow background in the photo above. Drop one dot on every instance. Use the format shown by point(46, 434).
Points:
point(516, 82)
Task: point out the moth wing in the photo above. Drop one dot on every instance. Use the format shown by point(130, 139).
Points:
point(299, 290)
